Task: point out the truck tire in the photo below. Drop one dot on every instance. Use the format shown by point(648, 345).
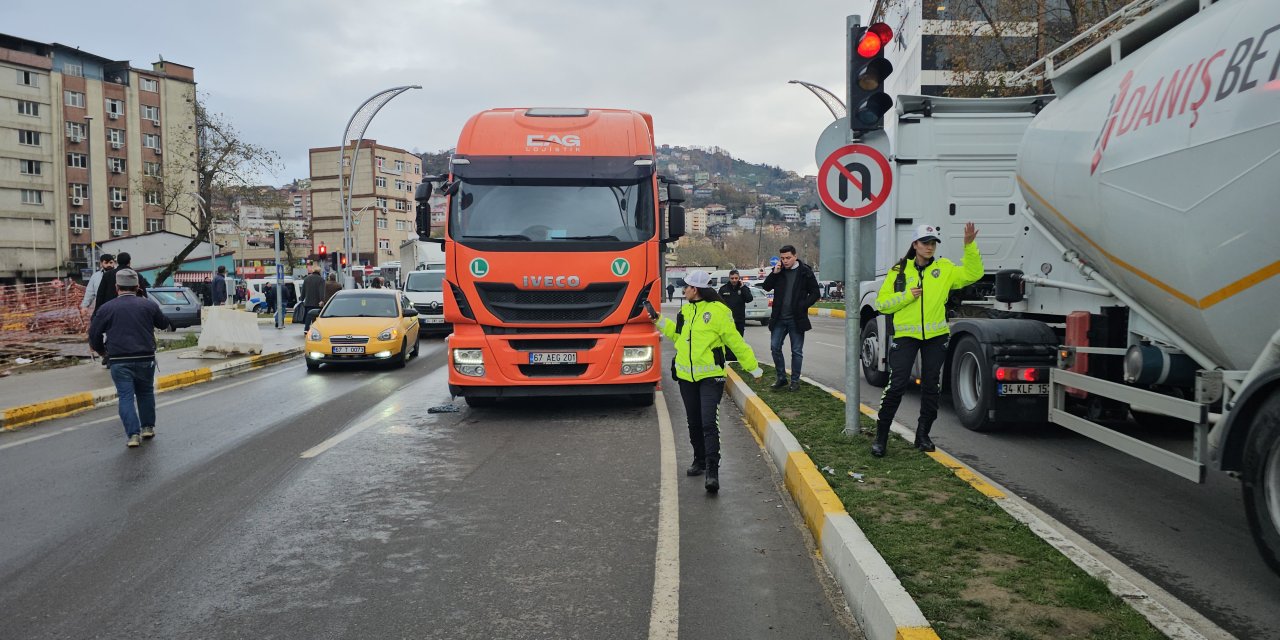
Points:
point(1260, 480)
point(480, 401)
point(971, 385)
point(871, 338)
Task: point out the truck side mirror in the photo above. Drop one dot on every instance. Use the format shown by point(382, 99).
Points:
point(423, 193)
point(675, 223)
point(675, 195)
point(423, 217)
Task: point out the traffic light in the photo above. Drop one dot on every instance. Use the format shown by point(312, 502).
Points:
point(342, 260)
point(867, 73)
point(323, 251)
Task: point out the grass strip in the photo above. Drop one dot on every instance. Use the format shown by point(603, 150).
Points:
point(824, 304)
point(974, 571)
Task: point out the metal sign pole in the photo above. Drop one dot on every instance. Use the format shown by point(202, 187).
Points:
point(852, 239)
point(279, 283)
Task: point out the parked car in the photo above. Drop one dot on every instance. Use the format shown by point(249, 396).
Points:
point(425, 289)
point(180, 304)
point(760, 306)
point(363, 325)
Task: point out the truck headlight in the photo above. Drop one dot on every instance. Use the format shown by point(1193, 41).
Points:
point(388, 334)
point(636, 360)
point(469, 362)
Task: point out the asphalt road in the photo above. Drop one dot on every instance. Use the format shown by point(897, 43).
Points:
point(1192, 540)
point(334, 505)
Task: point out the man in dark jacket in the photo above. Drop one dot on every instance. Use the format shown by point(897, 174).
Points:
point(107, 288)
point(219, 287)
point(736, 296)
point(129, 322)
point(795, 289)
point(312, 294)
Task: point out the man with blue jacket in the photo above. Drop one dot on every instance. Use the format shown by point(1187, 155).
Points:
point(129, 322)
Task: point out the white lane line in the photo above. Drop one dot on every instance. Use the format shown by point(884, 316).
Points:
point(828, 344)
point(385, 412)
point(159, 405)
point(664, 613)
point(343, 435)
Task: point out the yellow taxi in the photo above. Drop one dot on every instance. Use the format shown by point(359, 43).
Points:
point(363, 325)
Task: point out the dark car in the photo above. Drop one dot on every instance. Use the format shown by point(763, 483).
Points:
point(179, 304)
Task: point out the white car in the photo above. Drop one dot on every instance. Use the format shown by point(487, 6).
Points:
point(425, 289)
point(760, 307)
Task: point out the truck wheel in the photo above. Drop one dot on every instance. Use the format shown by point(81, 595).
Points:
point(971, 385)
point(1260, 480)
point(870, 346)
point(478, 402)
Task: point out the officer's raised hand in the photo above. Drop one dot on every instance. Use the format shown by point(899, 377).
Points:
point(970, 232)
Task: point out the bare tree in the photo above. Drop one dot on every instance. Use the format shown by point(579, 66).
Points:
point(221, 160)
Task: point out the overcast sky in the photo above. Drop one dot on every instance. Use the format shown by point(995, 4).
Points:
point(289, 73)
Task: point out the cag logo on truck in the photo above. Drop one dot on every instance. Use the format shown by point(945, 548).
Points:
point(538, 140)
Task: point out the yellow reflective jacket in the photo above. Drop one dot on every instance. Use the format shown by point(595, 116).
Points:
point(926, 317)
point(701, 333)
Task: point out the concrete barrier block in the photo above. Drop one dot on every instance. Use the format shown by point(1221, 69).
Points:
point(226, 330)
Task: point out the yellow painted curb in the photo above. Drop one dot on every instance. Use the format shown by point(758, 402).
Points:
point(814, 497)
point(183, 379)
point(19, 416)
point(916, 633)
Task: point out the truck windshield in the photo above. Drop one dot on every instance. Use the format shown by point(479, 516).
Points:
point(552, 211)
point(418, 282)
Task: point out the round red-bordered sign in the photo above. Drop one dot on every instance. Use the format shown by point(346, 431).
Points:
point(856, 192)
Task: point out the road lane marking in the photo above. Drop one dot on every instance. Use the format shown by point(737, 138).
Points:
point(384, 412)
point(159, 405)
point(664, 613)
point(828, 344)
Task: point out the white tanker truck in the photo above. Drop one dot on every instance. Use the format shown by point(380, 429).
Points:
point(1130, 228)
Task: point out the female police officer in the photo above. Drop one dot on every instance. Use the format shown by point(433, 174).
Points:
point(915, 293)
point(701, 333)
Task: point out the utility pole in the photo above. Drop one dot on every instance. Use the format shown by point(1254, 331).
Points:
point(88, 163)
point(279, 317)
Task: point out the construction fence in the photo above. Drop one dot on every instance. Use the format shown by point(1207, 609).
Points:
point(41, 323)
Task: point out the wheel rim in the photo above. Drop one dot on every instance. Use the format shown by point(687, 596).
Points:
point(968, 382)
point(1271, 485)
point(869, 351)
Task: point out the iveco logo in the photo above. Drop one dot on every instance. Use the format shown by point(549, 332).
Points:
point(535, 140)
point(551, 282)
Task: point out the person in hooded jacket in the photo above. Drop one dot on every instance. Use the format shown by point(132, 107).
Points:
point(702, 331)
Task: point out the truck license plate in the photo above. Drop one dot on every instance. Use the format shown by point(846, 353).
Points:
point(1022, 389)
point(553, 357)
point(341, 350)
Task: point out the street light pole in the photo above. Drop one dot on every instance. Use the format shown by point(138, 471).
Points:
point(88, 163)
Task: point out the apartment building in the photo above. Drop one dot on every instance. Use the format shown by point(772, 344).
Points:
point(382, 206)
point(86, 146)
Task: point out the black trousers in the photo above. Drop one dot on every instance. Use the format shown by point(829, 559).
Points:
point(702, 410)
point(902, 356)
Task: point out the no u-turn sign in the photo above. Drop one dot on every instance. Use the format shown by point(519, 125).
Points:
point(854, 181)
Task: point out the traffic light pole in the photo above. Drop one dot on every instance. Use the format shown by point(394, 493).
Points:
point(279, 316)
point(852, 241)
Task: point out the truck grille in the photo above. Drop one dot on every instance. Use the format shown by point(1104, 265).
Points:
point(581, 344)
point(511, 304)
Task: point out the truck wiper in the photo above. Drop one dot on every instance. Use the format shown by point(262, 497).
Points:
point(501, 236)
point(606, 237)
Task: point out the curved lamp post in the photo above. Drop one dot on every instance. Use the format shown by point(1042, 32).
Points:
point(356, 127)
point(834, 104)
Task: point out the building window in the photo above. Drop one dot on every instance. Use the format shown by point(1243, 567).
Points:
point(29, 167)
point(73, 98)
point(148, 84)
point(382, 203)
point(151, 113)
point(151, 169)
point(380, 182)
point(154, 224)
point(80, 252)
point(399, 185)
point(79, 221)
point(32, 196)
point(73, 70)
point(151, 141)
point(79, 190)
point(119, 225)
point(76, 131)
point(116, 165)
point(400, 166)
point(116, 138)
point(114, 107)
point(153, 197)
point(28, 108)
point(399, 225)
point(384, 243)
point(78, 160)
point(380, 160)
point(117, 194)
point(28, 78)
point(30, 138)
point(382, 223)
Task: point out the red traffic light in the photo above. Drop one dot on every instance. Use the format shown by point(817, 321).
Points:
point(344, 261)
point(882, 31)
point(322, 250)
point(874, 39)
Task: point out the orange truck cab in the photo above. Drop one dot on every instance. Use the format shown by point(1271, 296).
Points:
point(553, 239)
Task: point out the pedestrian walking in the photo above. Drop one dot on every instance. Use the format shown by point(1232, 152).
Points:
point(331, 286)
point(795, 289)
point(105, 261)
point(219, 288)
point(701, 332)
point(671, 291)
point(915, 293)
point(129, 322)
point(312, 295)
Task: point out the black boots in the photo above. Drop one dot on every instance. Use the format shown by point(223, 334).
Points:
point(713, 477)
point(882, 440)
point(780, 383)
point(699, 465)
point(923, 442)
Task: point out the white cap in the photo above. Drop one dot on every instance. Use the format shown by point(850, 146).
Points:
point(928, 231)
point(697, 278)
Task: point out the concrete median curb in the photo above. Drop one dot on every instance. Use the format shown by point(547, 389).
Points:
point(827, 313)
point(14, 418)
point(882, 607)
